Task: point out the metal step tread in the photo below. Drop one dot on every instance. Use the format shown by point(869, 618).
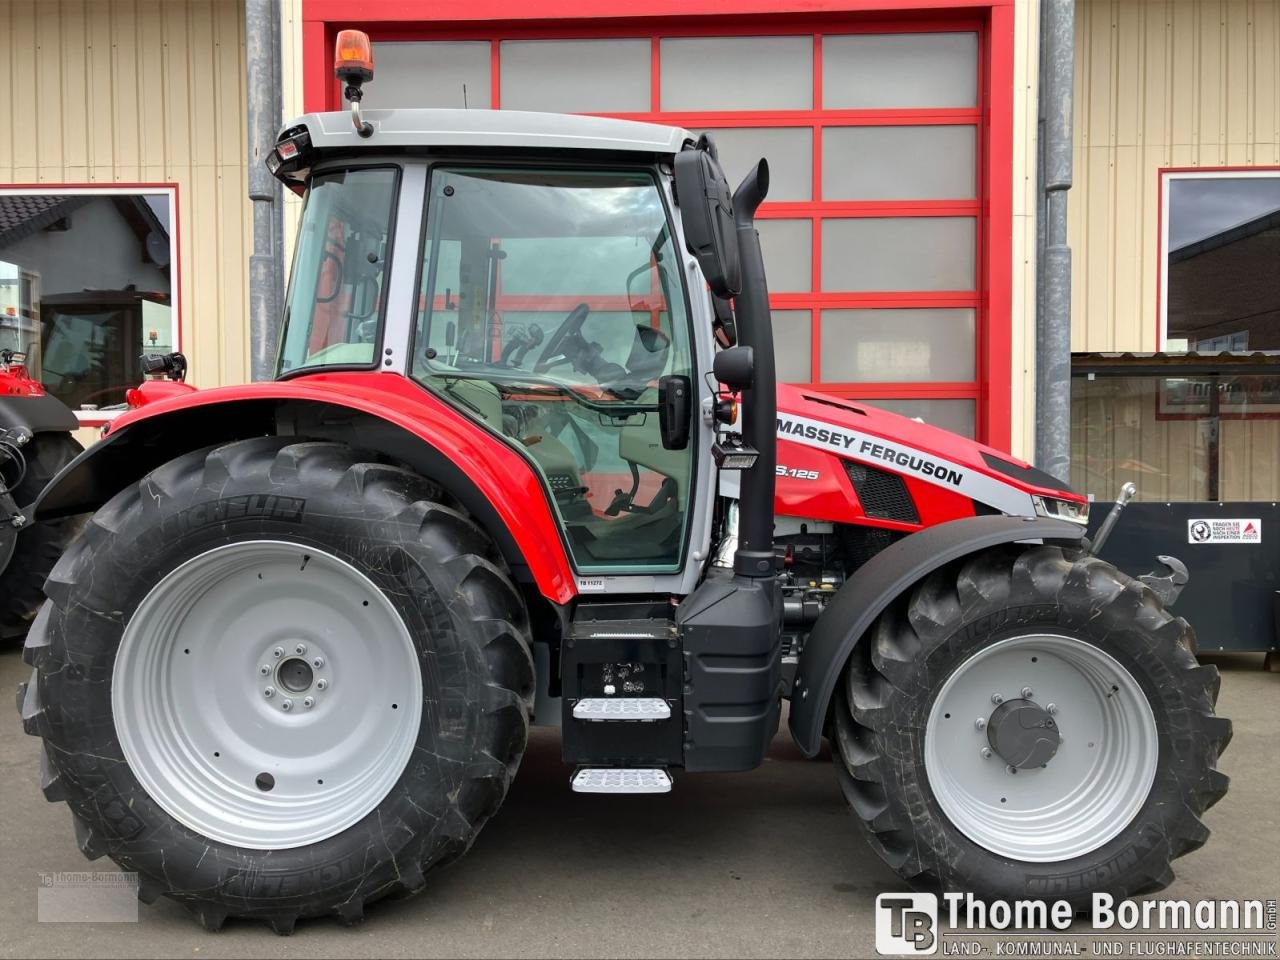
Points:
point(642, 709)
point(622, 629)
point(621, 780)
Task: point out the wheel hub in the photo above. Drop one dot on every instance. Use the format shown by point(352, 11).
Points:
point(267, 694)
point(1023, 734)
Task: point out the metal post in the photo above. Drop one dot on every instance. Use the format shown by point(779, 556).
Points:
point(1053, 260)
point(264, 101)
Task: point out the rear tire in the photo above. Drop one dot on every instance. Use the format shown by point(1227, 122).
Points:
point(357, 527)
point(910, 744)
point(39, 545)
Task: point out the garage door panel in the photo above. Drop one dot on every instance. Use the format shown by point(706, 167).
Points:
point(934, 162)
point(898, 253)
point(789, 151)
point(737, 73)
point(898, 345)
point(430, 74)
point(576, 76)
point(787, 246)
point(905, 70)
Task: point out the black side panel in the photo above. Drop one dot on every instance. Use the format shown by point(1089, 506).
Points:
point(873, 587)
point(1031, 475)
point(882, 494)
point(733, 671)
point(45, 414)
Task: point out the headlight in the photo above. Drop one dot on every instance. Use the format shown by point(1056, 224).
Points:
point(1070, 510)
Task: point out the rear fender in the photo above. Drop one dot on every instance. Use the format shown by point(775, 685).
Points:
point(880, 581)
point(379, 412)
point(39, 413)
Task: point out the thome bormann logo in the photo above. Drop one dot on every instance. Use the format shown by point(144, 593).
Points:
point(906, 923)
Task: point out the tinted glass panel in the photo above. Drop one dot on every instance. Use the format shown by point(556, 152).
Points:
point(871, 71)
point(789, 151)
point(575, 76)
point(737, 73)
point(792, 339)
point(430, 75)
point(953, 415)
point(892, 345)
point(335, 288)
point(899, 163)
point(898, 253)
point(788, 254)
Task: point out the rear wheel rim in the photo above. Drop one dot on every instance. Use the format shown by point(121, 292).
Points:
point(1092, 787)
point(267, 694)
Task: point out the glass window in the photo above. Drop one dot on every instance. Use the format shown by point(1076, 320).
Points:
point(787, 246)
point(897, 345)
point(552, 306)
point(576, 76)
point(899, 163)
point(954, 415)
point(1222, 243)
point(882, 71)
point(792, 342)
point(898, 253)
point(430, 74)
point(789, 151)
point(85, 287)
point(334, 305)
point(737, 73)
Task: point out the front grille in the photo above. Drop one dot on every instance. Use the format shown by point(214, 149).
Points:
point(883, 495)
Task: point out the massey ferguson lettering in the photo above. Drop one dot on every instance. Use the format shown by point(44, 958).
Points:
point(920, 465)
point(841, 440)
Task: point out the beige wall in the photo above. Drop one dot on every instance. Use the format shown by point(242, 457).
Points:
point(1159, 83)
point(127, 91)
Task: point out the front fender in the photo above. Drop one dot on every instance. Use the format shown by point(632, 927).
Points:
point(372, 411)
point(879, 582)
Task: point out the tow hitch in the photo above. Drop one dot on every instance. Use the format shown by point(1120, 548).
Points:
point(1169, 577)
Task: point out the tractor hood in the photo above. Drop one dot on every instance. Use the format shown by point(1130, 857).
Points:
point(829, 448)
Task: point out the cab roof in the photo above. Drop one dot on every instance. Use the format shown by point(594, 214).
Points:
point(491, 128)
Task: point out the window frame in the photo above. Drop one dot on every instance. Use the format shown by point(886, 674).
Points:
point(1165, 175)
point(99, 418)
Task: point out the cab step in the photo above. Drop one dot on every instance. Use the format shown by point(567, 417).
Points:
point(634, 709)
point(621, 780)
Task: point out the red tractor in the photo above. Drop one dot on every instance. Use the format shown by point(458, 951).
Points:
point(35, 443)
point(525, 461)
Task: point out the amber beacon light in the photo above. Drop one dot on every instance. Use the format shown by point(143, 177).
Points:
point(353, 65)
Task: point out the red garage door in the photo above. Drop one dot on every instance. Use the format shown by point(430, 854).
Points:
point(875, 229)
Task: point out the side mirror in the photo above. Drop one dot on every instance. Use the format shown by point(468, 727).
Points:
point(675, 399)
point(706, 211)
point(735, 368)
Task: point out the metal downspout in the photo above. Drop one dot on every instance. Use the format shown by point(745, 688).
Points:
point(264, 102)
point(1053, 256)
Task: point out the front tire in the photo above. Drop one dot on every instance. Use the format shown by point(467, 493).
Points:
point(230, 581)
point(1104, 794)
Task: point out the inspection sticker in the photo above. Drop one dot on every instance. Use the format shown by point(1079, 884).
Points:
point(1224, 531)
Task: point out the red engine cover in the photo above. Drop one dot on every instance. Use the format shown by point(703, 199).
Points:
point(16, 382)
point(946, 475)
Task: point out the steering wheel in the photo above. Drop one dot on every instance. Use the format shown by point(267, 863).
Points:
point(554, 353)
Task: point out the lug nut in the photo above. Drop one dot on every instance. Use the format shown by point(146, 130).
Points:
point(997, 699)
point(318, 662)
point(264, 670)
point(980, 723)
point(278, 652)
point(309, 702)
point(286, 704)
point(300, 649)
point(1052, 708)
point(1011, 769)
point(321, 683)
point(1027, 693)
point(986, 753)
point(269, 692)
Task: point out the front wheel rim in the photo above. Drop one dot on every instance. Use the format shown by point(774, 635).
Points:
point(267, 694)
point(1092, 787)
